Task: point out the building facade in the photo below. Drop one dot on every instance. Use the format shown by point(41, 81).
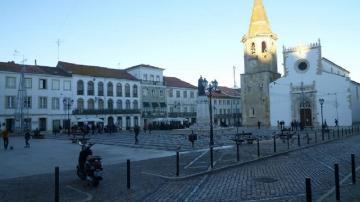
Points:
point(46, 88)
point(153, 96)
point(111, 95)
point(226, 104)
point(308, 78)
point(260, 68)
point(181, 99)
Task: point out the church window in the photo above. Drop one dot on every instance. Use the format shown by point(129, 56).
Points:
point(303, 66)
point(252, 112)
point(253, 48)
point(263, 47)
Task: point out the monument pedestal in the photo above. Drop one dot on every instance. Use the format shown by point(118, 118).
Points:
point(202, 113)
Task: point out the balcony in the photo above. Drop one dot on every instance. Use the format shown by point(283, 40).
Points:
point(155, 83)
point(105, 111)
point(154, 114)
point(182, 114)
point(90, 92)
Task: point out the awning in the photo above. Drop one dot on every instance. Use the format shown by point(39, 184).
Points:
point(162, 104)
point(155, 104)
point(146, 104)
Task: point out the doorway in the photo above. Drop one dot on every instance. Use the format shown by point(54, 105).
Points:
point(305, 117)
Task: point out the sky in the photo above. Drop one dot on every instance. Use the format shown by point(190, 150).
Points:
point(187, 38)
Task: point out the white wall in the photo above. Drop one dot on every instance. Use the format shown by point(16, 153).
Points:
point(355, 101)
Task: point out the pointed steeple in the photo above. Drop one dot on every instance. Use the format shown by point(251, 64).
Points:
point(259, 23)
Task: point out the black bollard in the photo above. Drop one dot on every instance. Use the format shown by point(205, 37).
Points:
point(328, 134)
point(342, 132)
point(274, 143)
point(299, 140)
point(337, 182)
point(308, 190)
point(308, 138)
point(333, 133)
point(288, 141)
point(211, 157)
point(128, 173)
point(353, 170)
point(322, 134)
point(57, 197)
point(258, 147)
point(315, 138)
point(338, 132)
point(237, 152)
point(177, 163)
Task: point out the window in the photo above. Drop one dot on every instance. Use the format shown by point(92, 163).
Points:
point(42, 84)
point(145, 92)
point(55, 85)
point(151, 77)
point(215, 102)
point(10, 102)
point(192, 94)
point(252, 112)
point(90, 88)
point(263, 47)
point(80, 104)
point(110, 89)
point(28, 102)
point(118, 90)
point(119, 104)
point(42, 102)
point(185, 94)
point(171, 93)
point(135, 91)
point(127, 90)
point(100, 89)
point(161, 92)
point(110, 104)
point(28, 83)
point(185, 109)
point(145, 77)
point(67, 85)
point(158, 78)
point(135, 104)
point(55, 103)
point(302, 66)
point(10, 82)
point(127, 104)
point(80, 87)
point(101, 104)
point(228, 102)
point(90, 104)
point(253, 50)
point(177, 93)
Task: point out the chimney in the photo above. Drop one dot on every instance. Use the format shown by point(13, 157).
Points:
point(35, 63)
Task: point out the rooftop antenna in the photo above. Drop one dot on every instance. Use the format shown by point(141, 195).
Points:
point(234, 69)
point(58, 43)
point(15, 54)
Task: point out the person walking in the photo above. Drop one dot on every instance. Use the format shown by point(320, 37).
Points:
point(136, 131)
point(27, 138)
point(5, 136)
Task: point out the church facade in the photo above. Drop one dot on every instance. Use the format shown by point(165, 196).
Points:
point(260, 60)
point(309, 78)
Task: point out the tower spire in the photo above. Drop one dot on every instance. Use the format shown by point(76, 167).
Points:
point(259, 23)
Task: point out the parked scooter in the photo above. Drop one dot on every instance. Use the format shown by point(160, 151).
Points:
point(89, 167)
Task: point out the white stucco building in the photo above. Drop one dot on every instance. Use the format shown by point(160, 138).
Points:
point(108, 94)
point(181, 99)
point(46, 87)
point(307, 78)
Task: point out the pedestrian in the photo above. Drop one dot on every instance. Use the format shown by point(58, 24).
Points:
point(259, 123)
point(150, 128)
point(336, 123)
point(5, 136)
point(60, 129)
point(136, 131)
point(27, 138)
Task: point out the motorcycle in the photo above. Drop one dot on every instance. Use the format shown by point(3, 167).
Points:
point(89, 167)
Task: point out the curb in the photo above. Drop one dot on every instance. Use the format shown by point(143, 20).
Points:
point(242, 163)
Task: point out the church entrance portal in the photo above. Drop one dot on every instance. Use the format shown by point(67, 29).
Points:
point(305, 117)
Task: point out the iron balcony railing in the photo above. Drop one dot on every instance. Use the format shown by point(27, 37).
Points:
point(182, 114)
point(105, 111)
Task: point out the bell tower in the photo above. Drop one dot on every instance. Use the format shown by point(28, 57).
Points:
point(260, 61)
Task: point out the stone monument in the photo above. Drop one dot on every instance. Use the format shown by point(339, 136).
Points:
point(202, 110)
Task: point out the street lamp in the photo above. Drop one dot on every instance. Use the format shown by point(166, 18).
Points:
point(321, 101)
point(68, 103)
point(210, 87)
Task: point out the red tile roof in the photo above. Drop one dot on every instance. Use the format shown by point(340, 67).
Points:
point(95, 71)
point(176, 82)
point(33, 69)
point(225, 92)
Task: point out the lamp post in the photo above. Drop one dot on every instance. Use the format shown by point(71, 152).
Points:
point(68, 103)
point(210, 87)
point(321, 101)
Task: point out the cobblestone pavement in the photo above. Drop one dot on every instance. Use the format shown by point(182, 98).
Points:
point(280, 178)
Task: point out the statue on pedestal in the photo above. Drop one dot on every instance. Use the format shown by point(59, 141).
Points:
point(201, 88)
